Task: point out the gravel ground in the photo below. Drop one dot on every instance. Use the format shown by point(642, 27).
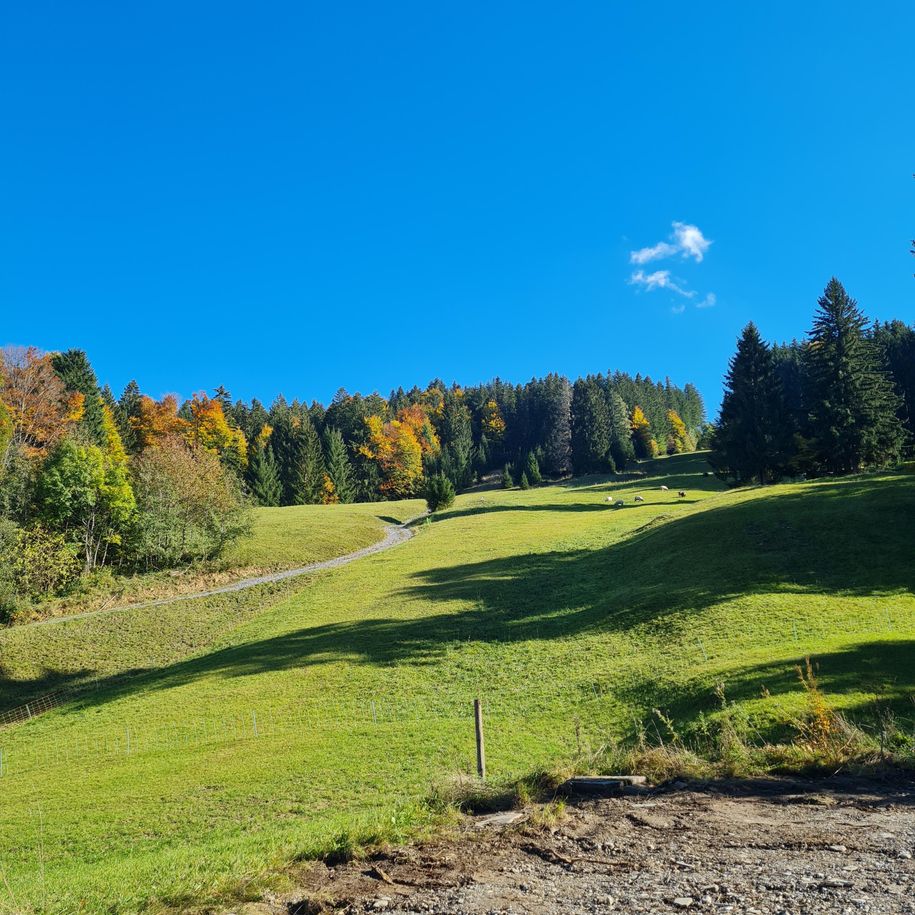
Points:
point(759, 846)
point(394, 534)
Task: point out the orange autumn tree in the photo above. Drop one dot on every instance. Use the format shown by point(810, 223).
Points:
point(156, 420)
point(398, 446)
point(209, 429)
point(39, 410)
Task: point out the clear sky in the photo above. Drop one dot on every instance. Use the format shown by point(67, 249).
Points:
point(298, 196)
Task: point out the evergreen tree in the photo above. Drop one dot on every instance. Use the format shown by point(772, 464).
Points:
point(129, 406)
point(263, 476)
point(308, 472)
point(621, 450)
point(897, 343)
point(339, 468)
point(557, 425)
point(525, 483)
point(532, 469)
point(590, 428)
point(507, 479)
point(853, 405)
point(74, 370)
point(750, 439)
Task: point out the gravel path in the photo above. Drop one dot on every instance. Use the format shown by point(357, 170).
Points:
point(394, 534)
point(767, 846)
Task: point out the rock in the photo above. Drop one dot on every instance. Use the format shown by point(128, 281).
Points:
point(499, 819)
point(683, 902)
point(837, 848)
point(904, 853)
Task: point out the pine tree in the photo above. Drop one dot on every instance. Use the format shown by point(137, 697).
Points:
point(339, 468)
point(525, 483)
point(590, 428)
point(853, 405)
point(263, 476)
point(750, 442)
point(557, 437)
point(532, 469)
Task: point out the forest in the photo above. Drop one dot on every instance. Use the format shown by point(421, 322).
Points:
point(839, 402)
point(91, 482)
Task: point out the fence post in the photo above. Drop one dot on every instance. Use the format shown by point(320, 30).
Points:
point(481, 750)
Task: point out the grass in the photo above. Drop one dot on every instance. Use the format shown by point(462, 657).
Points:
point(281, 538)
point(322, 717)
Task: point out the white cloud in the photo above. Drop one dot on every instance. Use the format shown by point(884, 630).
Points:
point(686, 240)
point(708, 302)
point(659, 279)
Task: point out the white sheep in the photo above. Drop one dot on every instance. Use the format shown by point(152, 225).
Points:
point(639, 499)
point(663, 489)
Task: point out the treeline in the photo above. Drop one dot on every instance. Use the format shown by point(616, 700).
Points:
point(841, 401)
point(90, 481)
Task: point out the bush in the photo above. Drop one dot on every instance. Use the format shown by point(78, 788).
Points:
point(439, 493)
point(44, 562)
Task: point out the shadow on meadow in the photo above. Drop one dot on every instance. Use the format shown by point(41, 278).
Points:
point(849, 537)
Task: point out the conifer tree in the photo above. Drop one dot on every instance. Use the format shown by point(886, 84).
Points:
point(532, 469)
point(590, 428)
point(74, 370)
point(339, 468)
point(557, 438)
point(750, 440)
point(853, 404)
point(525, 483)
point(621, 450)
point(263, 476)
point(308, 471)
point(507, 479)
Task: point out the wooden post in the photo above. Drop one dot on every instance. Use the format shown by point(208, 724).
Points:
point(481, 750)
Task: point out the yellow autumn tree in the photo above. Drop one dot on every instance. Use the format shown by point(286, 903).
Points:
point(209, 429)
point(156, 420)
point(642, 439)
point(398, 447)
point(678, 439)
point(491, 422)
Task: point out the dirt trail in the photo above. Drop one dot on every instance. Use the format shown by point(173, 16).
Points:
point(394, 534)
point(763, 846)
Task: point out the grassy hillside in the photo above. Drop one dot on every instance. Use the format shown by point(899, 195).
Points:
point(330, 711)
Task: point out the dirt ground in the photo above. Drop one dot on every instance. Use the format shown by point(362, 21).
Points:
point(758, 846)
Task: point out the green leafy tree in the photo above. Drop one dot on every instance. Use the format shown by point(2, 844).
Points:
point(86, 493)
point(339, 468)
point(854, 409)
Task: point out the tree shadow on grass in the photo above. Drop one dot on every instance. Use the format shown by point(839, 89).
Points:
point(820, 540)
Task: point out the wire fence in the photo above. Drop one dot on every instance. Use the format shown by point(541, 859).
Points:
point(32, 709)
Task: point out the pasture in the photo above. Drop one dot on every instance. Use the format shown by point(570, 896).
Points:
point(220, 742)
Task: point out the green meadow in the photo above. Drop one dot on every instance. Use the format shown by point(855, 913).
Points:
point(216, 741)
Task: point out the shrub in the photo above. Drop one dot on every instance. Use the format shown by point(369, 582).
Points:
point(44, 562)
point(439, 493)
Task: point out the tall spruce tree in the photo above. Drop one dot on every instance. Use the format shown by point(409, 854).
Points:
point(854, 409)
point(339, 468)
point(621, 450)
point(750, 440)
point(308, 473)
point(74, 370)
point(557, 425)
point(263, 476)
point(590, 428)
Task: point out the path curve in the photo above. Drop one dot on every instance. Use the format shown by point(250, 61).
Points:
point(393, 534)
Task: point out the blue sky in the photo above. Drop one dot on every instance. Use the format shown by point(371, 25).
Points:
point(296, 197)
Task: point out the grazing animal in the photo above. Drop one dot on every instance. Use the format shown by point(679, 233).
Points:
point(609, 498)
point(663, 489)
point(681, 494)
point(639, 499)
point(619, 504)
